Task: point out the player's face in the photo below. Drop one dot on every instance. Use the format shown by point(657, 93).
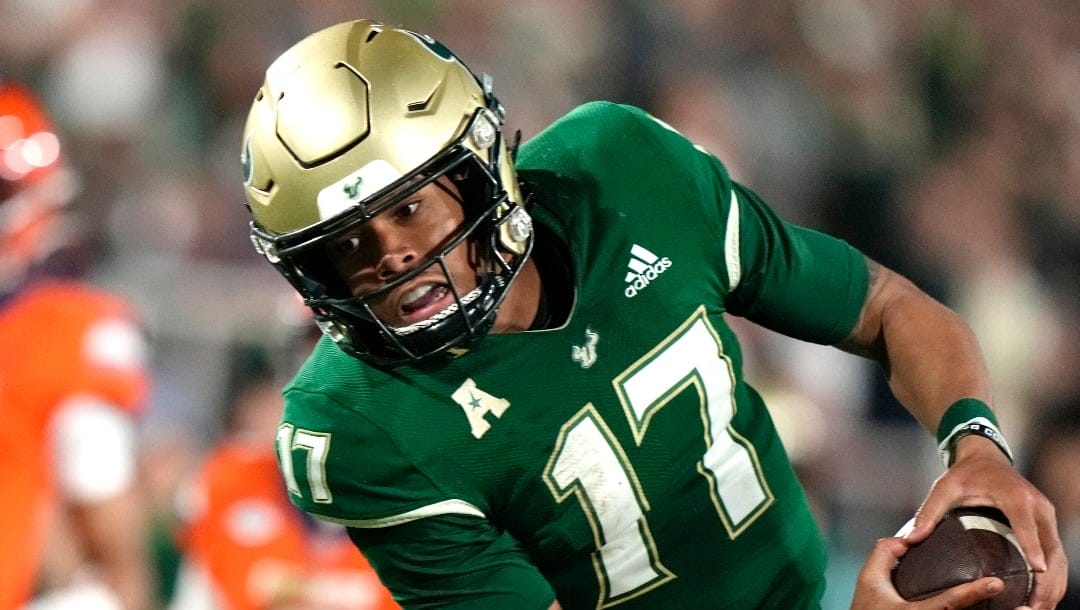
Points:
point(397, 241)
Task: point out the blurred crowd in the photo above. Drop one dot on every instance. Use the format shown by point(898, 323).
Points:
point(942, 137)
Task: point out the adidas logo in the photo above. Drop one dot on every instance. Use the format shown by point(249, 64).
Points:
point(644, 268)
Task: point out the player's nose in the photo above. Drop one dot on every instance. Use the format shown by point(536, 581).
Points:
point(396, 253)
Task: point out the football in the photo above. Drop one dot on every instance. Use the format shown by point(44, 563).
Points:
point(968, 544)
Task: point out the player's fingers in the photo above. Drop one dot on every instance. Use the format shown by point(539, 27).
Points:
point(873, 588)
point(965, 595)
point(1050, 585)
point(875, 574)
point(927, 517)
point(1036, 531)
point(884, 555)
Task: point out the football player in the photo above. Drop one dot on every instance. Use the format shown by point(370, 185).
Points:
point(245, 546)
point(72, 379)
point(527, 395)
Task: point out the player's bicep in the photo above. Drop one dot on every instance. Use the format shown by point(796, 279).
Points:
point(453, 561)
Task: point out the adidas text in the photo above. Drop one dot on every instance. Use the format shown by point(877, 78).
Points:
point(638, 282)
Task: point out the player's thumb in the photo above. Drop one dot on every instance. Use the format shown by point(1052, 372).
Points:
point(873, 583)
point(967, 594)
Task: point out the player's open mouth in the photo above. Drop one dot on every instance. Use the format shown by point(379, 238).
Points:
point(424, 301)
point(425, 305)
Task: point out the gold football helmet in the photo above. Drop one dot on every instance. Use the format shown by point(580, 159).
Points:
point(349, 122)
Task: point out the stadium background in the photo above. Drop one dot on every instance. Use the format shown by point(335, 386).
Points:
point(942, 137)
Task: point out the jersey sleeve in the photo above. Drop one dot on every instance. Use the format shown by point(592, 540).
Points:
point(453, 561)
point(431, 548)
point(114, 362)
point(355, 475)
point(93, 450)
point(791, 279)
point(95, 345)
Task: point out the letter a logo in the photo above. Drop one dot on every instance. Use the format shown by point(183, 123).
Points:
point(477, 404)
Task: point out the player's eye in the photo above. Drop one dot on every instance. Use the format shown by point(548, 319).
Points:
point(346, 246)
point(406, 210)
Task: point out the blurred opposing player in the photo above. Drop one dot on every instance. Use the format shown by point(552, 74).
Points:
point(72, 379)
point(246, 547)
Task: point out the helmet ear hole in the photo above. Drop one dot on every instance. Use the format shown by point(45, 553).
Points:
point(515, 230)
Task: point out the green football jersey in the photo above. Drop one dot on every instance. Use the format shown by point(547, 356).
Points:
point(620, 459)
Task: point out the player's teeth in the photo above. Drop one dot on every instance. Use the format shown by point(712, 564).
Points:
point(417, 293)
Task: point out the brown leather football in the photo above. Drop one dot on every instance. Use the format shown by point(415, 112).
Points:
point(968, 544)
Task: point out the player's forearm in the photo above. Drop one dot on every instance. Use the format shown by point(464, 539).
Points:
point(130, 583)
point(115, 534)
point(930, 355)
point(934, 360)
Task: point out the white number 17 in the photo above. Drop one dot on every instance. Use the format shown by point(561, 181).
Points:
point(589, 463)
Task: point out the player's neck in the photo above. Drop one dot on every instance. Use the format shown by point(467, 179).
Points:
point(543, 294)
point(556, 290)
point(522, 302)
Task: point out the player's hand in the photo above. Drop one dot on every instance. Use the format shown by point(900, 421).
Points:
point(982, 476)
point(874, 589)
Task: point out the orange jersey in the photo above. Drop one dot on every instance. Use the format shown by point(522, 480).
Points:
point(57, 341)
point(260, 552)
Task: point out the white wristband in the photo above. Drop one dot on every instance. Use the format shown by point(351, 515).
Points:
point(980, 426)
